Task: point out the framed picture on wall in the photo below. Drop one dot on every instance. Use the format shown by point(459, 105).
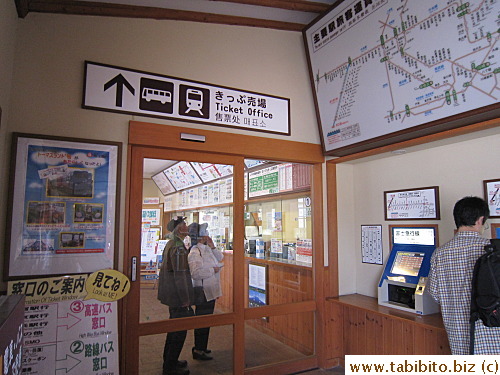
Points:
point(412, 204)
point(492, 196)
point(63, 205)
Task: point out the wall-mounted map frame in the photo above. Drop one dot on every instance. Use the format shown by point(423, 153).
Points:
point(412, 204)
point(380, 76)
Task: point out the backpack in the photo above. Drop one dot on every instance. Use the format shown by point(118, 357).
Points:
point(485, 294)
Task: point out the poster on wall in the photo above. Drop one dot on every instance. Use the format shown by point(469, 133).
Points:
point(150, 237)
point(63, 205)
point(151, 216)
point(257, 285)
point(71, 323)
point(371, 244)
point(492, 196)
point(412, 204)
point(379, 74)
point(163, 184)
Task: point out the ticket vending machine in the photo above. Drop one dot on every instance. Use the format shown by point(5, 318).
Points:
point(404, 283)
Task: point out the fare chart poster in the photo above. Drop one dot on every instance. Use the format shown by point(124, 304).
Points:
point(378, 67)
point(66, 330)
point(63, 216)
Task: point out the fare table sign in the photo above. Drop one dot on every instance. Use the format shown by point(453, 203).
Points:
point(123, 90)
point(71, 323)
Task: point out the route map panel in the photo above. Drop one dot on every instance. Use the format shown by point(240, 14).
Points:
point(383, 66)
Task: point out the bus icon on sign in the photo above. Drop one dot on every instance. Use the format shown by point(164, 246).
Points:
point(194, 101)
point(156, 95)
point(161, 96)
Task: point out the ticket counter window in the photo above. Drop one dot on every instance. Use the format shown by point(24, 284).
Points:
point(278, 234)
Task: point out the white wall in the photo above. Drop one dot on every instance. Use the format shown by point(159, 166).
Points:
point(8, 30)
point(457, 168)
point(50, 51)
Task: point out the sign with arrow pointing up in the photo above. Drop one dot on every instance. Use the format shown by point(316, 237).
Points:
point(122, 90)
point(119, 81)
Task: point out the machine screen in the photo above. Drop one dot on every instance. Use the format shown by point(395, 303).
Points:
point(407, 263)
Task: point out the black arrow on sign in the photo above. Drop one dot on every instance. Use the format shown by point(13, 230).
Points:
point(119, 81)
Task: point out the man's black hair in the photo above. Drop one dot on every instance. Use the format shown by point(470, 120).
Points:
point(468, 210)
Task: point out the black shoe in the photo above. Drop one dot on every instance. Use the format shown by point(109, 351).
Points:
point(201, 355)
point(176, 371)
point(208, 351)
point(182, 364)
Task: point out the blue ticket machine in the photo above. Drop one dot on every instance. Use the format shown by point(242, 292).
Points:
point(403, 284)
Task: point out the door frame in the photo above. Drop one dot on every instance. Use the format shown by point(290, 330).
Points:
point(147, 140)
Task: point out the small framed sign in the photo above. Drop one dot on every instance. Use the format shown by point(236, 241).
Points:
point(492, 196)
point(412, 204)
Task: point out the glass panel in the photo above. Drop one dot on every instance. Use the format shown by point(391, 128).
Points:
point(220, 343)
point(278, 233)
point(173, 189)
point(278, 339)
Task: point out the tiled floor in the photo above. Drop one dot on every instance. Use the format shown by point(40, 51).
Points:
point(261, 349)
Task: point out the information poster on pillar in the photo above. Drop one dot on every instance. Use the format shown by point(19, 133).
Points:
point(63, 208)
point(257, 285)
point(304, 251)
point(66, 329)
point(124, 90)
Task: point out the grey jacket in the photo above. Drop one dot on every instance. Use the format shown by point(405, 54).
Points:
point(175, 287)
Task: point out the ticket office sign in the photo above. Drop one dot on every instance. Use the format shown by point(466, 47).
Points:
point(123, 90)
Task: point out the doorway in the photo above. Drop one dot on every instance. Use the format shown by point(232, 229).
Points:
point(243, 338)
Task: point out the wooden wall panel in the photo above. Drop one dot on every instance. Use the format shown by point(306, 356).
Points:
point(387, 339)
point(225, 303)
point(367, 329)
point(361, 331)
point(374, 334)
point(334, 330)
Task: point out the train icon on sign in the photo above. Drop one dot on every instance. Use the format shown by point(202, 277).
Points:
point(161, 96)
point(194, 100)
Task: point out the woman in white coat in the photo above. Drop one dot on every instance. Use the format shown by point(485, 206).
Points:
point(205, 265)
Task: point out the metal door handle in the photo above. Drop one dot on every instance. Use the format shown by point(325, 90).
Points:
point(133, 275)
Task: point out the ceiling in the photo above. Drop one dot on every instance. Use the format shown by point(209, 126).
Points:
point(291, 15)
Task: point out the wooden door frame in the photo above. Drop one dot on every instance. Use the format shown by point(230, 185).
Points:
point(147, 140)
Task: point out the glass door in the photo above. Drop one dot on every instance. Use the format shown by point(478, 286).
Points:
point(181, 304)
point(255, 219)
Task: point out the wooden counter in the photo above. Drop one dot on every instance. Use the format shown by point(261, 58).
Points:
point(357, 324)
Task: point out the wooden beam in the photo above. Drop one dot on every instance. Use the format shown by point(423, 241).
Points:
point(131, 11)
point(158, 135)
point(298, 5)
point(420, 140)
point(22, 8)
